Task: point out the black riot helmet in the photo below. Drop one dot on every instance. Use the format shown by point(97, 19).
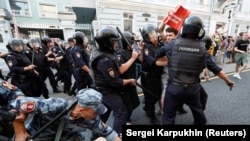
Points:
point(207, 41)
point(45, 40)
point(34, 42)
point(79, 37)
point(105, 38)
point(15, 42)
point(147, 31)
point(129, 37)
point(193, 28)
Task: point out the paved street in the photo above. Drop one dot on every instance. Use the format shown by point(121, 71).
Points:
point(223, 107)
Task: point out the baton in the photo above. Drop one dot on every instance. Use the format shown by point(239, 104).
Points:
point(126, 40)
point(146, 90)
point(31, 138)
point(117, 28)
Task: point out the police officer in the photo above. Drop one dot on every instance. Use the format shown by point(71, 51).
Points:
point(81, 61)
point(127, 58)
point(186, 57)
point(151, 74)
point(22, 70)
point(46, 47)
point(68, 52)
point(58, 52)
point(65, 68)
point(106, 74)
point(38, 59)
point(8, 93)
point(83, 115)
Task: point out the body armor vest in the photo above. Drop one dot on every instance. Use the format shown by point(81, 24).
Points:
point(99, 80)
point(186, 61)
point(23, 61)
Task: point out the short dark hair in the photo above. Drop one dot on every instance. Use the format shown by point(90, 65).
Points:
point(170, 29)
point(71, 39)
point(241, 34)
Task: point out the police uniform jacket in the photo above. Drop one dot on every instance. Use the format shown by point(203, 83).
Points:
point(17, 61)
point(148, 64)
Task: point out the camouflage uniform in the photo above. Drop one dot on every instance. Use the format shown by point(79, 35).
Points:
point(44, 110)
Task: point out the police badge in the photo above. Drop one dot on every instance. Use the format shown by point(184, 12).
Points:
point(111, 72)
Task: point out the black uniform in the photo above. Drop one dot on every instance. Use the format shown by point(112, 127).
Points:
point(129, 92)
point(186, 58)
point(81, 58)
point(47, 72)
point(25, 80)
point(151, 79)
point(109, 82)
point(39, 59)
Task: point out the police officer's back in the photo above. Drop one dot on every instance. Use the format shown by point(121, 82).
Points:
point(186, 57)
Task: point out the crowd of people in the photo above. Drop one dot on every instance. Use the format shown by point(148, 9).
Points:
point(105, 78)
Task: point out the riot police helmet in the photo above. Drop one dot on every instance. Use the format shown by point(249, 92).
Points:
point(129, 37)
point(34, 42)
point(147, 32)
point(58, 41)
point(105, 38)
point(79, 37)
point(15, 42)
point(45, 40)
point(65, 44)
point(193, 28)
point(207, 41)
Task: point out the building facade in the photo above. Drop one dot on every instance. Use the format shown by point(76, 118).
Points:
point(38, 18)
point(132, 15)
point(61, 18)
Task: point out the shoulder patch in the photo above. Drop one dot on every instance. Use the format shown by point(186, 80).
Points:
point(146, 52)
point(8, 86)
point(78, 55)
point(10, 63)
point(111, 72)
point(118, 57)
point(28, 107)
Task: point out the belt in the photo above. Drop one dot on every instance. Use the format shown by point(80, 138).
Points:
point(184, 85)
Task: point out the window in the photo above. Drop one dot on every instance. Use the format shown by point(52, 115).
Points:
point(69, 9)
point(20, 7)
point(48, 10)
point(128, 22)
